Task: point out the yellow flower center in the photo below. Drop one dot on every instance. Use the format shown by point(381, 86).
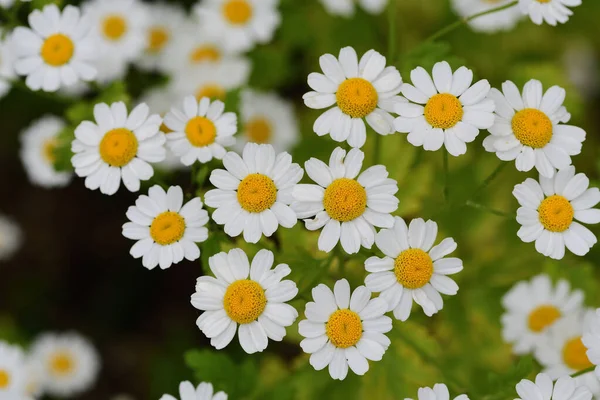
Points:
point(212, 91)
point(574, 355)
point(345, 199)
point(200, 131)
point(542, 317)
point(544, 1)
point(114, 27)
point(532, 128)
point(57, 50)
point(356, 97)
point(205, 53)
point(244, 301)
point(259, 130)
point(344, 328)
point(49, 150)
point(167, 228)
point(256, 193)
point(62, 364)
point(413, 268)
point(443, 111)
point(556, 213)
point(118, 147)
point(237, 12)
point(158, 38)
point(4, 379)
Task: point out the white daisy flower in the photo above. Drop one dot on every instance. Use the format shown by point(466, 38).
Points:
point(200, 130)
point(241, 23)
point(344, 330)
point(12, 372)
point(346, 8)
point(71, 363)
point(439, 392)
point(118, 146)
point(356, 90)
point(347, 207)
point(550, 11)
point(497, 21)
point(561, 351)
point(204, 391)
point(254, 192)
point(166, 230)
point(591, 340)
point(549, 211)
point(267, 118)
point(11, 237)
point(413, 269)
point(444, 111)
point(7, 71)
point(253, 296)
point(57, 50)
point(38, 146)
point(531, 307)
point(34, 378)
point(528, 128)
point(543, 388)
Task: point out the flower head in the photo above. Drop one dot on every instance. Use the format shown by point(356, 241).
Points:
point(346, 8)
point(552, 12)
point(204, 391)
point(438, 392)
point(12, 372)
point(543, 388)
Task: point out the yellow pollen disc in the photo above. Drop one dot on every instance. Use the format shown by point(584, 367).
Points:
point(574, 355)
point(57, 50)
point(556, 213)
point(356, 97)
point(413, 268)
point(532, 128)
point(237, 12)
point(205, 53)
point(259, 130)
point(200, 131)
point(212, 91)
point(256, 193)
point(443, 111)
point(544, 1)
point(61, 364)
point(158, 38)
point(345, 199)
point(542, 317)
point(114, 27)
point(49, 150)
point(4, 379)
point(344, 328)
point(118, 147)
point(167, 228)
point(244, 301)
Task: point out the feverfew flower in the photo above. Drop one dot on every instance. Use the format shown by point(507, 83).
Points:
point(549, 11)
point(346, 8)
point(12, 372)
point(348, 206)
point(7, 72)
point(118, 146)
point(591, 340)
point(254, 192)
point(57, 50)
point(344, 329)
point(439, 392)
point(528, 128)
point(166, 230)
point(10, 237)
point(356, 90)
point(531, 307)
point(204, 391)
point(549, 209)
point(413, 269)
point(543, 388)
point(444, 111)
point(496, 21)
point(253, 296)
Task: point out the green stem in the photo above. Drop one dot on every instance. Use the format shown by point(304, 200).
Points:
point(446, 178)
point(462, 21)
point(583, 371)
point(489, 179)
point(481, 207)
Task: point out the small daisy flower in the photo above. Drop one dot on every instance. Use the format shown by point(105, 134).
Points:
point(346, 8)
point(267, 118)
point(204, 391)
point(412, 269)
point(166, 230)
point(57, 50)
point(550, 11)
point(38, 147)
point(528, 128)
point(7, 71)
point(543, 388)
point(71, 363)
point(12, 372)
point(344, 329)
point(254, 192)
point(347, 207)
point(439, 392)
point(561, 351)
point(444, 111)
point(241, 23)
point(531, 307)
point(356, 90)
point(591, 340)
point(200, 131)
point(117, 146)
point(253, 296)
point(497, 21)
point(550, 210)
point(11, 237)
